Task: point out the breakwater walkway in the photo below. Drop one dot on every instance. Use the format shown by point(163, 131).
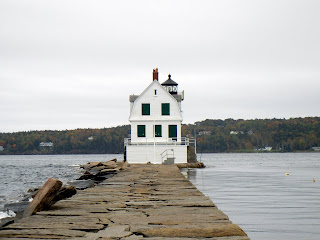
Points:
point(141, 202)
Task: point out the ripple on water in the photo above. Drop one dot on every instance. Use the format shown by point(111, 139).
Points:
point(253, 190)
point(19, 173)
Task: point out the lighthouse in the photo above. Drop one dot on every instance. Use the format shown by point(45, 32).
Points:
point(155, 119)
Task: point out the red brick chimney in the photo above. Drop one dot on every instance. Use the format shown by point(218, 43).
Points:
point(155, 74)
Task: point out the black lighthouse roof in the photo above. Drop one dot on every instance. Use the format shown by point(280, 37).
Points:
point(169, 82)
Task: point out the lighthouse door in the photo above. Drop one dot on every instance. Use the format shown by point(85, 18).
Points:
point(173, 132)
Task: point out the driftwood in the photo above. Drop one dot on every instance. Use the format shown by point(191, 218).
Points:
point(44, 197)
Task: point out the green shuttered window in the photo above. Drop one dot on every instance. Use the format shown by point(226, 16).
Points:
point(145, 109)
point(172, 131)
point(158, 131)
point(165, 108)
point(141, 130)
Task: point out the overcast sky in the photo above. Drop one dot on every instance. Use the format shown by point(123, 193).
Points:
point(73, 64)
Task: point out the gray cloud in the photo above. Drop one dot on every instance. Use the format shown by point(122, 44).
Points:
point(72, 64)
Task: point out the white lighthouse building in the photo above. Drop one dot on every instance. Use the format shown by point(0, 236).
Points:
point(155, 118)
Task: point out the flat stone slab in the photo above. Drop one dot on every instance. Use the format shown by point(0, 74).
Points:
point(152, 202)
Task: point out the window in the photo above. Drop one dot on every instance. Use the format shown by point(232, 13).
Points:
point(158, 131)
point(141, 130)
point(173, 131)
point(145, 109)
point(155, 92)
point(165, 107)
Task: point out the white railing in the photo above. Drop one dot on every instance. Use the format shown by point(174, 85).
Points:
point(168, 141)
point(168, 153)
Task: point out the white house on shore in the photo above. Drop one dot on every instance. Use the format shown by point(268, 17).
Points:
point(46, 144)
point(155, 118)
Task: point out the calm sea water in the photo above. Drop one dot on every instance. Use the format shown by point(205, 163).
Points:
point(255, 192)
point(252, 189)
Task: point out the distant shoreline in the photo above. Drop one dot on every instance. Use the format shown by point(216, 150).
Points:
point(212, 136)
point(240, 151)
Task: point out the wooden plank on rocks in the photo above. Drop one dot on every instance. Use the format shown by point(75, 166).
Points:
point(44, 197)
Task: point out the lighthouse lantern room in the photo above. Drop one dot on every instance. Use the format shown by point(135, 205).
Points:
point(155, 118)
point(170, 85)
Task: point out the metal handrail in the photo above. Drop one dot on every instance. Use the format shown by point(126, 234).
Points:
point(168, 141)
point(166, 155)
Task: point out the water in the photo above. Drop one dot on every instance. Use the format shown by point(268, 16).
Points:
point(19, 173)
point(252, 189)
point(255, 192)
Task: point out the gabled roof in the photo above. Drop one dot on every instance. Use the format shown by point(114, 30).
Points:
point(155, 82)
point(136, 97)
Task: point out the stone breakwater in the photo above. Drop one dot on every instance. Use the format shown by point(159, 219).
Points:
point(141, 202)
point(53, 191)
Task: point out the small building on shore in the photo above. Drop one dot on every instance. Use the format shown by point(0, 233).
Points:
point(204, 133)
point(317, 149)
point(46, 144)
point(155, 119)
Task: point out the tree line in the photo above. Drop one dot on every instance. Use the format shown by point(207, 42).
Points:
point(229, 135)
point(285, 135)
point(79, 141)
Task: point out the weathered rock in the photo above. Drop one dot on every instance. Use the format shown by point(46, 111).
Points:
point(91, 165)
point(65, 192)
point(110, 165)
point(6, 221)
point(44, 197)
point(86, 176)
point(41, 233)
point(107, 171)
point(112, 232)
point(82, 184)
point(18, 207)
point(205, 232)
point(33, 190)
point(99, 176)
point(28, 196)
point(59, 222)
point(123, 165)
point(135, 237)
point(191, 165)
point(101, 171)
point(97, 169)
